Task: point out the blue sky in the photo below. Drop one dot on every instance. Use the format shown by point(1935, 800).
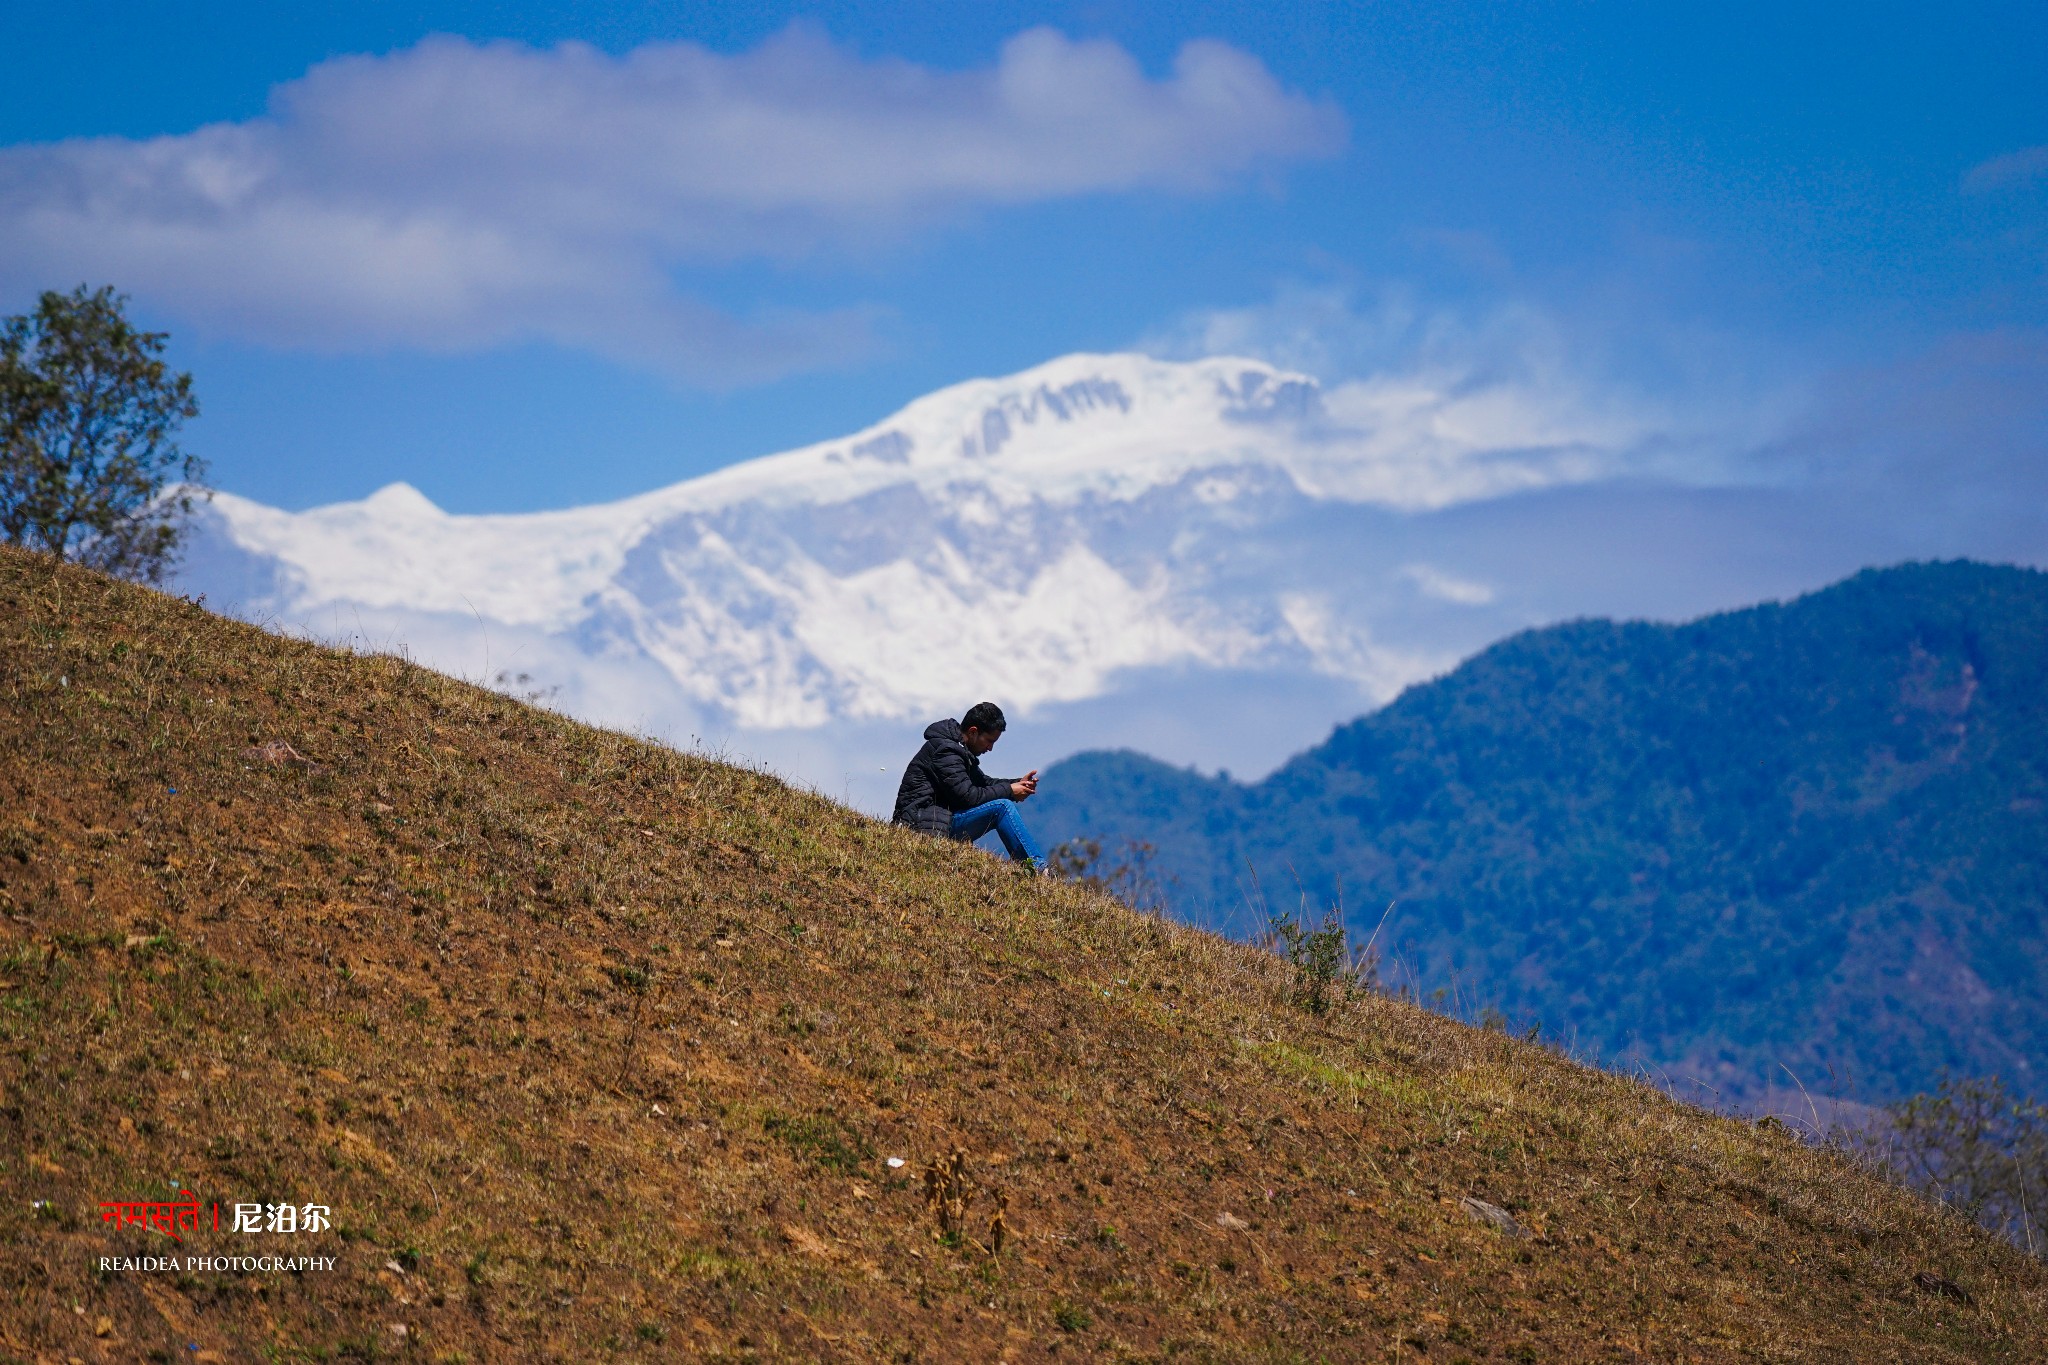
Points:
point(1791, 214)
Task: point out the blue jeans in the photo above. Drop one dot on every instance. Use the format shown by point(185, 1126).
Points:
point(1002, 817)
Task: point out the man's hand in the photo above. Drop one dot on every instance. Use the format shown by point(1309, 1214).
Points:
point(1023, 787)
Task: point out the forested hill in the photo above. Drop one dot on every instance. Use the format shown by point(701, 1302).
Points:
point(1811, 835)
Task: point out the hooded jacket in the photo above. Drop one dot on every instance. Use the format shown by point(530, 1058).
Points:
point(943, 780)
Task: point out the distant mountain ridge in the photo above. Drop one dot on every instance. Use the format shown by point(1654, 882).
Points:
point(1056, 508)
point(1123, 551)
point(1809, 836)
point(1089, 530)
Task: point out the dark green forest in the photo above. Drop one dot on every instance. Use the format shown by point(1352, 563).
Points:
point(1805, 839)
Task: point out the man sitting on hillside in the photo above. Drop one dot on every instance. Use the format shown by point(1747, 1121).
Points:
point(944, 791)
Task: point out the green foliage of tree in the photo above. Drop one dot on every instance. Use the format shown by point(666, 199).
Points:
point(89, 418)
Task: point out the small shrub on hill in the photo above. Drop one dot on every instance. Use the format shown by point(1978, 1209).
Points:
point(1326, 970)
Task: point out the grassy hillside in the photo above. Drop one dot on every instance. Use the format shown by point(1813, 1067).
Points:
point(598, 1051)
point(1812, 833)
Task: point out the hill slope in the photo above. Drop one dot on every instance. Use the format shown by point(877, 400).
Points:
point(596, 1050)
point(1813, 833)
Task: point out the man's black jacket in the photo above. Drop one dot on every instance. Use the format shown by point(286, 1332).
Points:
point(943, 780)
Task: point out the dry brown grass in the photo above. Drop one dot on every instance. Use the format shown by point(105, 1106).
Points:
point(597, 1050)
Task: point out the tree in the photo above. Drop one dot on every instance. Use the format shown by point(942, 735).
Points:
point(89, 416)
point(1976, 1147)
point(1125, 873)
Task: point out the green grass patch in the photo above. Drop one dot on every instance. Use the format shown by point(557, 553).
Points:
point(1328, 1078)
point(824, 1138)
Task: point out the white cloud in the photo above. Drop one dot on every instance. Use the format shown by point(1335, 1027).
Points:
point(1936, 452)
point(1434, 583)
point(2014, 168)
point(458, 194)
point(1447, 403)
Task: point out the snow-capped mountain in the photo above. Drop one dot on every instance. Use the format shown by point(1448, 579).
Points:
point(1215, 559)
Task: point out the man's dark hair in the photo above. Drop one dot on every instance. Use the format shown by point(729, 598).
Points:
point(984, 716)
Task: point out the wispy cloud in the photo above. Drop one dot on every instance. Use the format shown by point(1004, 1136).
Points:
point(1463, 402)
point(458, 195)
point(2014, 168)
point(1948, 445)
point(1940, 450)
